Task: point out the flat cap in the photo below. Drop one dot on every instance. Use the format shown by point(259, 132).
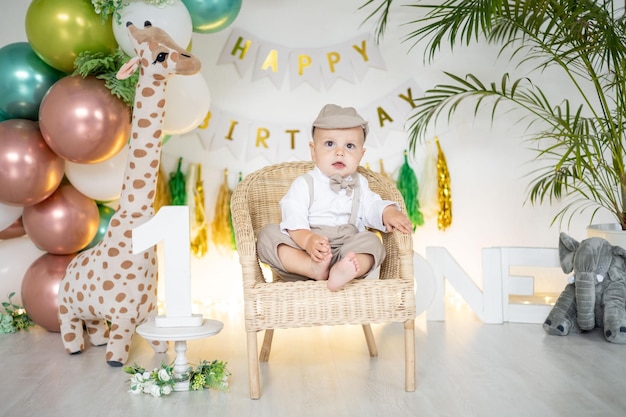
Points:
point(333, 116)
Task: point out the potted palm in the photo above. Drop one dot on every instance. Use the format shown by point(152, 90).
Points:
point(579, 139)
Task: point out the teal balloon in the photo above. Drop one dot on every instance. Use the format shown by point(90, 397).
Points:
point(24, 80)
point(210, 16)
point(105, 213)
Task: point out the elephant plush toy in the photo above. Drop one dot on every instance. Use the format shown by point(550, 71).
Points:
point(597, 294)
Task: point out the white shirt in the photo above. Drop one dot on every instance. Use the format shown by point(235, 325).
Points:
point(329, 208)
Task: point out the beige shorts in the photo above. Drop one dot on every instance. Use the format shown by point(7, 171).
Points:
point(343, 239)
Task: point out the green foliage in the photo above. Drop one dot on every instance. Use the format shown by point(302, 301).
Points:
point(105, 67)
point(579, 139)
point(14, 317)
point(209, 375)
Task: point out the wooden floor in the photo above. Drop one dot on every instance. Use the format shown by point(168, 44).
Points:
point(464, 368)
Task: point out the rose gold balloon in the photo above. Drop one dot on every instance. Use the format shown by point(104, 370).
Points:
point(29, 170)
point(64, 223)
point(14, 230)
point(40, 289)
point(82, 121)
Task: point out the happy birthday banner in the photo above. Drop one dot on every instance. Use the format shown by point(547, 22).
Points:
point(281, 141)
point(348, 60)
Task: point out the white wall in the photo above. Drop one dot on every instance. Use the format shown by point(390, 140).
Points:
point(487, 163)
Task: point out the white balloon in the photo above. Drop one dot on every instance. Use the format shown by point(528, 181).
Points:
point(172, 18)
point(102, 181)
point(8, 215)
point(16, 256)
point(187, 102)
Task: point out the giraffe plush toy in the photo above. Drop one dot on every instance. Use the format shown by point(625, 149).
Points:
point(108, 282)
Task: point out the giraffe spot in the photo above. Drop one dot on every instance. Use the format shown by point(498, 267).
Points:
point(118, 337)
point(147, 92)
point(131, 276)
point(117, 276)
point(105, 265)
point(144, 123)
point(131, 198)
point(113, 252)
point(144, 299)
point(66, 287)
point(120, 297)
point(139, 153)
point(92, 310)
point(92, 287)
point(69, 337)
point(115, 222)
point(85, 261)
point(63, 309)
point(157, 134)
point(154, 163)
point(154, 115)
point(101, 300)
point(80, 296)
point(123, 310)
point(112, 310)
point(161, 103)
point(90, 274)
point(128, 234)
point(139, 184)
point(122, 244)
point(108, 285)
point(126, 264)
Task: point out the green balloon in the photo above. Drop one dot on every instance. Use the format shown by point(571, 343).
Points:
point(210, 16)
point(105, 213)
point(24, 80)
point(59, 30)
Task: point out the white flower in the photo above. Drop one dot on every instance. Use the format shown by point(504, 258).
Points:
point(167, 389)
point(136, 388)
point(155, 390)
point(164, 375)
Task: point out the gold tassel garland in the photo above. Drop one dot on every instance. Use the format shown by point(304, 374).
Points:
point(198, 224)
point(162, 196)
point(221, 227)
point(444, 217)
point(382, 171)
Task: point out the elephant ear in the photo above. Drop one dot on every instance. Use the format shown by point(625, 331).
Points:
point(617, 270)
point(567, 249)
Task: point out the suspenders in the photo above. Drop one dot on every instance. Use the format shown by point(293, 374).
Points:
point(356, 194)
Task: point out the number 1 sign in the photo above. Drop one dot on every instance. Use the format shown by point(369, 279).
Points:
point(170, 225)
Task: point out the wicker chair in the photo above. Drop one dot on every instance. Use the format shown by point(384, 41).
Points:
point(275, 304)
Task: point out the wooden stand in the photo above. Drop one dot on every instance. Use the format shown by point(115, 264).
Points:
point(180, 335)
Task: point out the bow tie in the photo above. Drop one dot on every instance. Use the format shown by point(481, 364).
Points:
point(338, 183)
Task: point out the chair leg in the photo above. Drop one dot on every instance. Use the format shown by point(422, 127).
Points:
point(253, 367)
point(409, 355)
point(267, 345)
point(369, 338)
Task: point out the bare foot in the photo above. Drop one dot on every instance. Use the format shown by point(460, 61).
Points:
point(319, 270)
point(343, 272)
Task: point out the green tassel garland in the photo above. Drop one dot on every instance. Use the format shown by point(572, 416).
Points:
point(409, 188)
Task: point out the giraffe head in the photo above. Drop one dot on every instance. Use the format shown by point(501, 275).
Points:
point(157, 54)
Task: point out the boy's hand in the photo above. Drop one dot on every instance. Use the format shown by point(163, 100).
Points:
point(317, 246)
point(395, 219)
